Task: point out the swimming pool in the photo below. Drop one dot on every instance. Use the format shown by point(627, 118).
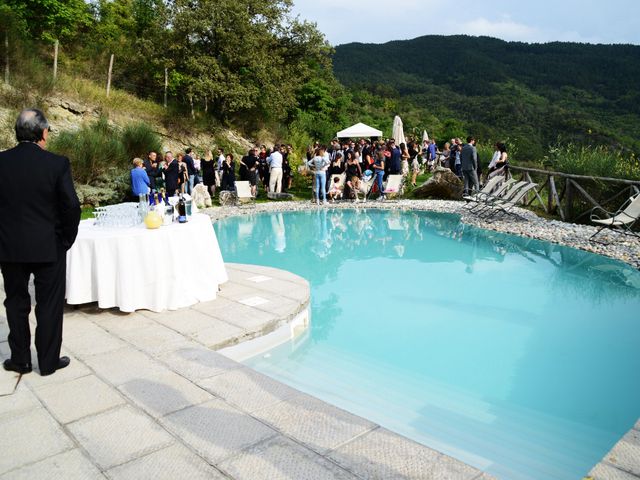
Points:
point(517, 356)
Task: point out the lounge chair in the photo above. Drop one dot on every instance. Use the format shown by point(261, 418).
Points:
point(243, 192)
point(511, 200)
point(621, 221)
point(484, 193)
point(394, 185)
point(504, 192)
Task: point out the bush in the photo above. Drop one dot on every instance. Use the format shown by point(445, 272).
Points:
point(138, 139)
point(597, 161)
point(100, 154)
point(92, 150)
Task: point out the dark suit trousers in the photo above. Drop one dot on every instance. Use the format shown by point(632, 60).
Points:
point(49, 281)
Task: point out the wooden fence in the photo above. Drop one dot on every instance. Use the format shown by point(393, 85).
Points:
point(567, 194)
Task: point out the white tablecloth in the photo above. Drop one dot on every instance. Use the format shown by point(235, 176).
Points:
point(136, 268)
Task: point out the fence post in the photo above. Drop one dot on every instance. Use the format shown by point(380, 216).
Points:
point(166, 85)
point(55, 61)
point(550, 197)
point(569, 197)
point(109, 77)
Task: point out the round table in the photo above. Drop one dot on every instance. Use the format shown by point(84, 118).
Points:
point(171, 267)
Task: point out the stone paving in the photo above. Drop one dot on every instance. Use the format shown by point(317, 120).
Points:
point(146, 396)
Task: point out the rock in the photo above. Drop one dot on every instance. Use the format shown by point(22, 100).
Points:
point(228, 198)
point(279, 196)
point(443, 185)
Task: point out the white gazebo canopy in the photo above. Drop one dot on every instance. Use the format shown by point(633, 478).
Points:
point(359, 130)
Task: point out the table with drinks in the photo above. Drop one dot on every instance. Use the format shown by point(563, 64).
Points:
point(154, 257)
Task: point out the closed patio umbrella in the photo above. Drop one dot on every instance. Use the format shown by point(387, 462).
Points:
point(398, 131)
point(425, 136)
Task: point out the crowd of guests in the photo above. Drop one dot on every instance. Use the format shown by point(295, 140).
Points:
point(271, 168)
point(380, 159)
point(180, 173)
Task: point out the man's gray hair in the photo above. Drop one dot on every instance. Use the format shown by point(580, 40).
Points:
point(30, 125)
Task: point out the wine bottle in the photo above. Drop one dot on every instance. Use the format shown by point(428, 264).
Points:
point(182, 210)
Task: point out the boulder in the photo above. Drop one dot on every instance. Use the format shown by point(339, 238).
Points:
point(227, 198)
point(444, 185)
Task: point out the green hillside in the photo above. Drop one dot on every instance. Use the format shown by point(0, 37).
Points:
point(532, 94)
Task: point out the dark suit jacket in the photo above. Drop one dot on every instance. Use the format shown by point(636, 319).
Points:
point(191, 167)
point(171, 174)
point(39, 208)
point(469, 157)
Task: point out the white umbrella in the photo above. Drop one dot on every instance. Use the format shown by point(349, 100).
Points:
point(398, 131)
point(425, 136)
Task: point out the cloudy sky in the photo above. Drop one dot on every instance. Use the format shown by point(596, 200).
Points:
point(378, 21)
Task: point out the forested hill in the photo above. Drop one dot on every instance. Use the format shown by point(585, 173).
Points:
point(575, 92)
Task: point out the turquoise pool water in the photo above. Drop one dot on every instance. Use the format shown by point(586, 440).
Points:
point(516, 356)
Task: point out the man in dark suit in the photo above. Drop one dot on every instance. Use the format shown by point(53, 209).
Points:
point(39, 216)
point(469, 166)
point(191, 170)
point(171, 173)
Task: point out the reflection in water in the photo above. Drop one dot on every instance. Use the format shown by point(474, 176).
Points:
point(279, 234)
point(510, 353)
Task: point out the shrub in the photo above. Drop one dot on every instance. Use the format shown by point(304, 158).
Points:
point(139, 138)
point(93, 150)
point(599, 161)
point(99, 151)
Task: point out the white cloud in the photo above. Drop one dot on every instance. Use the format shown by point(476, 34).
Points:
point(504, 28)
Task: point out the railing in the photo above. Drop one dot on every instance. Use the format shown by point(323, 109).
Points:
point(563, 197)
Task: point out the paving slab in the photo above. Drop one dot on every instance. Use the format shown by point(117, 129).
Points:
point(115, 322)
point(123, 365)
point(216, 430)
point(604, 471)
point(243, 316)
point(155, 340)
point(76, 369)
point(383, 454)
point(281, 458)
point(21, 400)
point(89, 339)
point(219, 334)
point(318, 425)
point(197, 362)
point(625, 455)
point(119, 436)
point(29, 437)
point(90, 395)
point(164, 393)
point(70, 465)
point(186, 321)
point(171, 463)
point(247, 389)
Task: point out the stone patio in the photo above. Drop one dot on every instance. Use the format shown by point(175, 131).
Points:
point(146, 396)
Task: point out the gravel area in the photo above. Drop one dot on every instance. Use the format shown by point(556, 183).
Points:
point(622, 247)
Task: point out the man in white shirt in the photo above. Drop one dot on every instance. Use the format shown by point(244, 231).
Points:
point(275, 170)
point(221, 160)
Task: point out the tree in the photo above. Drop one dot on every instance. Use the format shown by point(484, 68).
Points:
point(51, 19)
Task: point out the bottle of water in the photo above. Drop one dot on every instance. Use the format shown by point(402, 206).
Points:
point(143, 206)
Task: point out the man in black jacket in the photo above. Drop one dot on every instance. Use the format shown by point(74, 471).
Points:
point(39, 216)
point(191, 170)
point(171, 173)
